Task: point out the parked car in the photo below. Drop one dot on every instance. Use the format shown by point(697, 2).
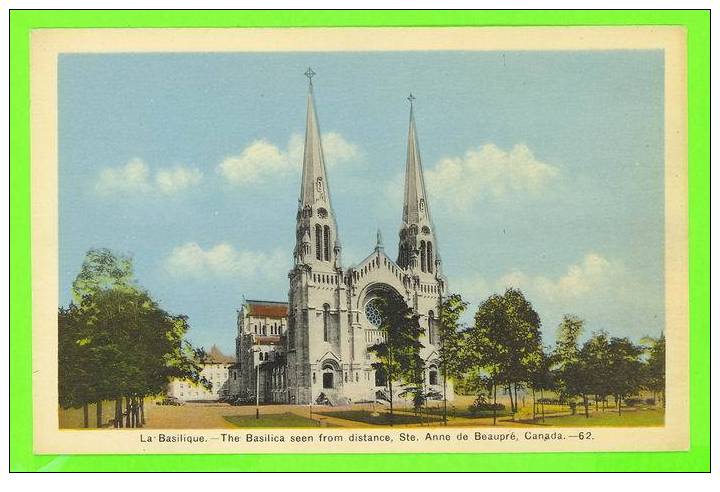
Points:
point(242, 400)
point(171, 401)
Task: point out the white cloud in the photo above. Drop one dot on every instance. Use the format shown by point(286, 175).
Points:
point(488, 170)
point(587, 287)
point(594, 275)
point(177, 179)
point(223, 260)
point(136, 177)
point(473, 288)
point(132, 177)
point(262, 160)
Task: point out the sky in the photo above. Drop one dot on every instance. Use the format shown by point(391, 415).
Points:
point(544, 170)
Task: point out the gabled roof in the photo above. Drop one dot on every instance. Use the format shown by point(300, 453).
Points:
point(268, 309)
point(215, 356)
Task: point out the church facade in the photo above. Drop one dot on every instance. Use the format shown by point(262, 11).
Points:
point(322, 352)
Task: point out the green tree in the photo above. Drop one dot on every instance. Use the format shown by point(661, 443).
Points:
point(451, 310)
point(115, 342)
point(625, 369)
point(504, 345)
point(566, 355)
point(398, 353)
point(654, 373)
point(542, 380)
point(589, 373)
point(76, 366)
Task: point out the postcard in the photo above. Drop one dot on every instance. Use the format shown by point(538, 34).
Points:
point(359, 240)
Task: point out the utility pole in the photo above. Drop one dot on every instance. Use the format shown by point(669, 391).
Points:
point(257, 383)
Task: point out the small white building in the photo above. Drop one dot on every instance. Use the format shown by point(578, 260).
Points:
point(216, 369)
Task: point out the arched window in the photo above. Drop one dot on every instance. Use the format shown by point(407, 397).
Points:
point(318, 242)
point(326, 242)
point(423, 258)
point(429, 257)
point(326, 322)
point(433, 376)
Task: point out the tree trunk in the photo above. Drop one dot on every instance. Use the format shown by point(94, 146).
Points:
point(142, 410)
point(136, 406)
point(596, 403)
point(133, 412)
point(127, 412)
point(534, 404)
point(619, 404)
point(86, 418)
point(517, 403)
point(586, 405)
point(118, 413)
point(98, 414)
point(512, 404)
point(391, 398)
point(494, 403)
point(542, 404)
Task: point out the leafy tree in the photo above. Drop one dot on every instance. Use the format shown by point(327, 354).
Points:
point(103, 270)
point(566, 354)
point(116, 342)
point(625, 369)
point(654, 374)
point(589, 374)
point(451, 310)
point(398, 353)
point(542, 380)
point(76, 366)
point(504, 345)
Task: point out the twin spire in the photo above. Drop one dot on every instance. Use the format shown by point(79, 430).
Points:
point(315, 193)
point(415, 203)
point(314, 190)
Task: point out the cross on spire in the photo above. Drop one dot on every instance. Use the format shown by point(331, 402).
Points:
point(411, 98)
point(309, 73)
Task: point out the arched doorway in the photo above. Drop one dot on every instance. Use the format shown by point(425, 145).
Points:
point(328, 377)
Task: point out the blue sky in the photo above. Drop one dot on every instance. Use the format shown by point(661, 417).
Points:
point(545, 172)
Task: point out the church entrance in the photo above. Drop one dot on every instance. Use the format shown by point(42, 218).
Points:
point(328, 377)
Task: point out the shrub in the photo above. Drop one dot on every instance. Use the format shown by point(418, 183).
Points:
point(633, 402)
point(482, 405)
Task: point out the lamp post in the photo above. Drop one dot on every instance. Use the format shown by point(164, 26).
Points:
point(257, 384)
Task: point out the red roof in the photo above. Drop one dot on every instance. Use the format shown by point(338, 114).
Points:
point(215, 356)
point(268, 309)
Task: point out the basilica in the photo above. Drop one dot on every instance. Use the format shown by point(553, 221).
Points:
point(314, 348)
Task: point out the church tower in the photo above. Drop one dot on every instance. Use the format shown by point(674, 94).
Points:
point(324, 355)
point(317, 242)
point(417, 250)
point(316, 338)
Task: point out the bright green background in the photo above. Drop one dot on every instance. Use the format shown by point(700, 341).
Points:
point(21, 455)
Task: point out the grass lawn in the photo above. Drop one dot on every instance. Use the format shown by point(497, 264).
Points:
point(466, 413)
point(629, 418)
point(382, 418)
point(272, 420)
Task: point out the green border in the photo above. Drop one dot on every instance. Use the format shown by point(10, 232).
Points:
point(696, 459)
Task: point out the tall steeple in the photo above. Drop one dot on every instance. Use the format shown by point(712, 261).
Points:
point(317, 238)
point(417, 237)
point(415, 204)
